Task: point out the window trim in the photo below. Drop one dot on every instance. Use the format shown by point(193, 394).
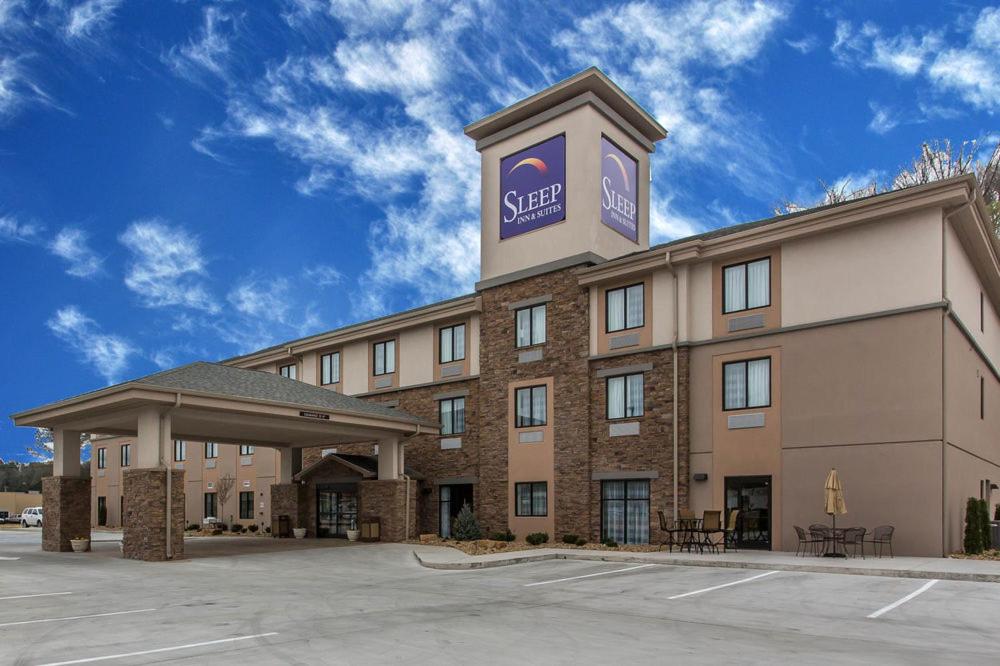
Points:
point(625, 502)
point(243, 494)
point(607, 307)
point(246, 449)
point(126, 455)
point(215, 450)
point(746, 380)
point(531, 325)
point(180, 450)
point(531, 405)
point(531, 491)
point(295, 369)
point(215, 505)
point(382, 343)
point(746, 285)
point(338, 373)
point(102, 458)
point(607, 396)
point(452, 432)
point(454, 358)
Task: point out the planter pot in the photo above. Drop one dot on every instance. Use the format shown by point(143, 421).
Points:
point(80, 545)
point(299, 532)
point(352, 535)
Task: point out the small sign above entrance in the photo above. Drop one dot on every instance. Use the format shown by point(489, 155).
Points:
point(315, 415)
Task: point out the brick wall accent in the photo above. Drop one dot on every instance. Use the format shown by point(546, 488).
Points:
point(66, 511)
point(144, 536)
point(652, 448)
point(290, 499)
point(387, 500)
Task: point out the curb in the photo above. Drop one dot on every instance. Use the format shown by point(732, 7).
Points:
point(720, 564)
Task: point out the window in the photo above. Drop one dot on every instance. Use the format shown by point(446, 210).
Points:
point(531, 499)
point(126, 455)
point(982, 397)
point(102, 511)
point(529, 407)
point(211, 450)
point(530, 325)
point(746, 384)
point(246, 505)
point(451, 343)
point(385, 357)
point(289, 371)
point(746, 286)
point(329, 372)
point(102, 458)
point(180, 450)
point(246, 449)
point(982, 314)
point(625, 511)
point(210, 509)
point(452, 412)
point(625, 396)
point(624, 308)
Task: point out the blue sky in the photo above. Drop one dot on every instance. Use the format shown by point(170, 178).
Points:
point(193, 180)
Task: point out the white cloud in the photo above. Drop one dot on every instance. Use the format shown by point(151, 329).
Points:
point(261, 299)
point(167, 266)
point(208, 51)
point(90, 17)
point(883, 121)
point(805, 44)
point(71, 244)
point(322, 275)
point(12, 230)
point(18, 87)
point(108, 354)
point(402, 67)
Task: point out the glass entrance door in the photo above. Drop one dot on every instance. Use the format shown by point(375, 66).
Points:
point(451, 499)
point(751, 496)
point(336, 511)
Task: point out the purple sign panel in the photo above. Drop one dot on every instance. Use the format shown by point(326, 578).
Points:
point(533, 187)
point(619, 173)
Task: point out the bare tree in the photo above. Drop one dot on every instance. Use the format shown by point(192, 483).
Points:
point(42, 447)
point(223, 488)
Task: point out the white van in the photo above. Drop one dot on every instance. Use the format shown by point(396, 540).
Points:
point(31, 517)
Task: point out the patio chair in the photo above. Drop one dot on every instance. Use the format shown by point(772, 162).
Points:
point(807, 541)
point(822, 533)
point(881, 537)
point(686, 526)
point(667, 525)
point(729, 535)
point(854, 539)
point(711, 524)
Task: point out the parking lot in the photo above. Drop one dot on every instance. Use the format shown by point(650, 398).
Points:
point(255, 601)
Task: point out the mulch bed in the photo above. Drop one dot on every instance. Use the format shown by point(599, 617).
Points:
point(489, 546)
point(986, 555)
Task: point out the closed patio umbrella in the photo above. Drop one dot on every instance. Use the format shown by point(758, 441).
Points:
point(835, 504)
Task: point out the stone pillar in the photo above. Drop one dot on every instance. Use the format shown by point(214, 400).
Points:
point(291, 499)
point(66, 514)
point(145, 525)
point(388, 458)
point(386, 500)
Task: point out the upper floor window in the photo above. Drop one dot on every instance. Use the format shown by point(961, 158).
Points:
point(746, 286)
point(289, 371)
point(385, 357)
point(529, 407)
point(530, 324)
point(451, 343)
point(102, 458)
point(246, 449)
point(452, 412)
point(126, 455)
point(180, 450)
point(625, 308)
point(746, 384)
point(211, 450)
point(329, 368)
point(625, 396)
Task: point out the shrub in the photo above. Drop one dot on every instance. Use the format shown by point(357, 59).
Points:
point(581, 542)
point(504, 536)
point(996, 512)
point(570, 539)
point(193, 526)
point(267, 530)
point(253, 528)
point(237, 528)
point(973, 542)
point(984, 524)
point(610, 543)
point(466, 527)
point(537, 538)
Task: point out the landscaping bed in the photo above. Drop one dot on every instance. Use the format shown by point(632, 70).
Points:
point(985, 555)
point(489, 546)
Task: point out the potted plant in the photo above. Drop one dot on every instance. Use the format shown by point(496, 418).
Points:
point(299, 532)
point(80, 544)
point(353, 532)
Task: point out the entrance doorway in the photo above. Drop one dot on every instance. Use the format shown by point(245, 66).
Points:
point(751, 495)
point(336, 509)
point(451, 500)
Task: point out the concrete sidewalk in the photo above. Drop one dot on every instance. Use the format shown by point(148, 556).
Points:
point(983, 571)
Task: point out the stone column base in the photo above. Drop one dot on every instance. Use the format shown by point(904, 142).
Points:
point(290, 499)
point(66, 511)
point(386, 500)
point(145, 524)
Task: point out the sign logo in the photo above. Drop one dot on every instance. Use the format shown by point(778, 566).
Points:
point(619, 173)
point(315, 415)
point(533, 188)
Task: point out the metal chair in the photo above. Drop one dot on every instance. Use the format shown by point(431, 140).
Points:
point(822, 533)
point(729, 534)
point(881, 537)
point(687, 524)
point(806, 541)
point(667, 525)
point(854, 539)
point(711, 523)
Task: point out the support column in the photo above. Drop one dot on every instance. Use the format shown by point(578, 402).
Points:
point(289, 464)
point(389, 459)
point(385, 499)
point(65, 496)
point(289, 498)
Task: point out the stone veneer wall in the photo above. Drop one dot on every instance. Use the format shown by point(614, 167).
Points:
point(652, 448)
point(387, 500)
point(66, 511)
point(291, 499)
point(565, 355)
point(144, 536)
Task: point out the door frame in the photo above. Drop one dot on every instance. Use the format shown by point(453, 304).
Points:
point(768, 480)
point(335, 489)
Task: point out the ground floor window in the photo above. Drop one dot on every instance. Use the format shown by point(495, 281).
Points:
point(531, 499)
point(102, 511)
point(625, 511)
point(210, 505)
point(246, 505)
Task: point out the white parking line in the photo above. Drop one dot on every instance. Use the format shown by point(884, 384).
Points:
point(76, 617)
point(895, 604)
point(719, 587)
point(29, 596)
point(602, 573)
point(9, 559)
point(165, 649)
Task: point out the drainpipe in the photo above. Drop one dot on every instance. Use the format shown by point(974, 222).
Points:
point(170, 475)
point(676, 410)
